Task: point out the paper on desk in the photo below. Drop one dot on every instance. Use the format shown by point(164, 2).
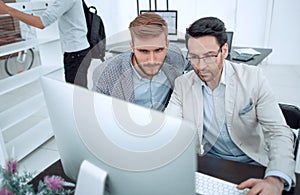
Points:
point(247, 51)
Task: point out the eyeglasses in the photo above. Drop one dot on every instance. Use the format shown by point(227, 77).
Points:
point(194, 59)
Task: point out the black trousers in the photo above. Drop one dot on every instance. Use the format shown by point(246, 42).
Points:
point(76, 66)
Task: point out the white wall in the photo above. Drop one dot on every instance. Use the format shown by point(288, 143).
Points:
point(116, 16)
point(257, 23)
point(285, 32)
point(251, 20)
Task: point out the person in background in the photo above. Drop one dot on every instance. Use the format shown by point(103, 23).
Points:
point(144, 75)
point(72, 30)
point(235, 113)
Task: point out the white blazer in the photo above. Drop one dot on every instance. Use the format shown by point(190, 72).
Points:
point(254, 120)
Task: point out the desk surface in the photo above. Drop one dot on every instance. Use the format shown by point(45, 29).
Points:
point(264, 52)
point(223, 169)
point(236, 172)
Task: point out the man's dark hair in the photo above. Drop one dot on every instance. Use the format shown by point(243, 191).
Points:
point(207, 26)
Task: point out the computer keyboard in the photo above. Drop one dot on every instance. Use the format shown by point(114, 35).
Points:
point(208, 185)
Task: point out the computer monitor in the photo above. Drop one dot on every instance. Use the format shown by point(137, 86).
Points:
point(229, 40)
point(143, 151)
point(170, 16)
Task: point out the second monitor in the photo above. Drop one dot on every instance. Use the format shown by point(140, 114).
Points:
point(170, 16)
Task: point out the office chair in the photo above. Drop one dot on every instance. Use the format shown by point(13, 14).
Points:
point(291, 114)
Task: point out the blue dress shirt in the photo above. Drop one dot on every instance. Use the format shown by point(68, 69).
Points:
point(151, 93)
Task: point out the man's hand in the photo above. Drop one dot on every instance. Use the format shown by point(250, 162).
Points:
point(3, 7)
point(268, 186)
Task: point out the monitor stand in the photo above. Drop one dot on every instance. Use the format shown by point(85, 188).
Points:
point(91, 179)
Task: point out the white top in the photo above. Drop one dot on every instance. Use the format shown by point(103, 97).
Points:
point(71, 23)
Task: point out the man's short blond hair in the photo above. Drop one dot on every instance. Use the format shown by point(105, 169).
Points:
point(148, 25)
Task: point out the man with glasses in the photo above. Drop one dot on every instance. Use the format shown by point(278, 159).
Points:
point(233, 109)
point(146, 74)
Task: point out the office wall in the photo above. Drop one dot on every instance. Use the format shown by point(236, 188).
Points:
point(284, 34)
point(252, 19)
point(116, 15)
point(195, 9)
point(257, 23)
